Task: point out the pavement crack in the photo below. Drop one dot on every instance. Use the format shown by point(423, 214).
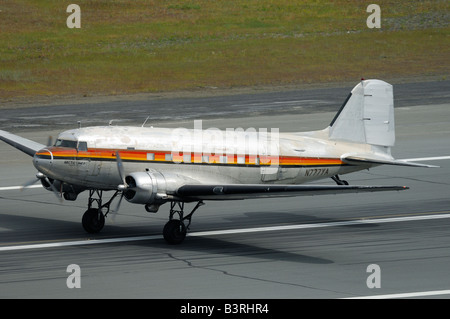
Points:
point(226, 273)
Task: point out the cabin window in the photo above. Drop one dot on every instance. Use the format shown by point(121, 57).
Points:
point(223, 159)
point(241, 159)
point(66, 143)
point(150, 156)
point(168, 157)
point(187, 158)
point(82, 146)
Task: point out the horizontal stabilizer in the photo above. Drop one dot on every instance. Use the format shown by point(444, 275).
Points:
point(249, 191)
point(375, 161)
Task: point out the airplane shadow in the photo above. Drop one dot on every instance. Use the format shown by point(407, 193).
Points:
point(249, 247)
point(26, 229)
point(33, 229)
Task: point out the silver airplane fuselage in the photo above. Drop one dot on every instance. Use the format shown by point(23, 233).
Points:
point(87, 156)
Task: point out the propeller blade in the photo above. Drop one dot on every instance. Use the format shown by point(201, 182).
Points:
point(123, 187)
point(40, 176)
point(56, 192)
point(120, 168)
point(29, 183)
point(116, 210)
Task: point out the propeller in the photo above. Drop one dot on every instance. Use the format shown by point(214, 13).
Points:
point(40, 177)
point(45, 179)
point(121, 187)
point(115, 211)
point(31, 182)
point(56, 192)
point(121, 170)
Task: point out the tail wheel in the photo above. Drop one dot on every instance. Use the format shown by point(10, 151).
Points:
point(93, 220)
point(174, 232)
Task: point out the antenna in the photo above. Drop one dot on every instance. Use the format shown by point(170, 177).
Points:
point(145, 121)
point(79, 124)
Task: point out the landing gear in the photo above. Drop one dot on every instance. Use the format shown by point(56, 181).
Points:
point(338, 180)
point(94, 219)
point(175, 230)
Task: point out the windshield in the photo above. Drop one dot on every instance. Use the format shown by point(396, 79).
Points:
point(66, 143)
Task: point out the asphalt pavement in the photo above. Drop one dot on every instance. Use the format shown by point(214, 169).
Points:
point(307, 247)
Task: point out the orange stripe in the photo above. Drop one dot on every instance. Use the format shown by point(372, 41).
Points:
point(160, 156)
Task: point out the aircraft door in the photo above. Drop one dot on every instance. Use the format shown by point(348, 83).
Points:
point(81, 160)
point(96, 166)
point(269, 159)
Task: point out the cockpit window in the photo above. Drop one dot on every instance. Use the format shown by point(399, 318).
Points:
point(66, 143)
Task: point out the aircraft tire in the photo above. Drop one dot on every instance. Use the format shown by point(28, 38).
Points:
point(174, 232)
point(92, 221)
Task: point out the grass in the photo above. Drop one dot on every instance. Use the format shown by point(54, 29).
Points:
point(152, 46)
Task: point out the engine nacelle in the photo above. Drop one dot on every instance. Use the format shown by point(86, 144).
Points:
point(151, 187)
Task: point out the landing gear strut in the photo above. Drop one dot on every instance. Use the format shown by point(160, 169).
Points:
point(94, 219)
point(175, 230)
point(338, 180)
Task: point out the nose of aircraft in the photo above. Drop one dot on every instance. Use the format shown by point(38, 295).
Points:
point(43, 160)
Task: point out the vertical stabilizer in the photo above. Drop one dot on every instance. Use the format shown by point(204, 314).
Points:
point(367, 115)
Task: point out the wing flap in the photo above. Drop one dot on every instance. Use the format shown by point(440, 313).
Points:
point(249, 191)
point(27, 146)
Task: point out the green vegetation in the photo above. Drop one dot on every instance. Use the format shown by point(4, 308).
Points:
point(151, 46)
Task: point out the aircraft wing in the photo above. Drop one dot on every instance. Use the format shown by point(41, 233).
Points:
point(27, 146)
point(249, 191)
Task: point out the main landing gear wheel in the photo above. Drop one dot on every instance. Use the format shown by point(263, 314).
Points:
point(174, 232)
point(93, 220)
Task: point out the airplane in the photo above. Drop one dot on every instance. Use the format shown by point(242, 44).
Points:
point(153, 166)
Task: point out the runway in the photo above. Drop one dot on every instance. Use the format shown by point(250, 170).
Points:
point(292, 248)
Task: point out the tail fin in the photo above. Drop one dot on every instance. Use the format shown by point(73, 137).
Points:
point(367, 115)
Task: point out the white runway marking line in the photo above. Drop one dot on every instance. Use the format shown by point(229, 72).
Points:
point(405, 295)
point(321, 225)
point(9, 188)
point(226, 232)
point(78, 243)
